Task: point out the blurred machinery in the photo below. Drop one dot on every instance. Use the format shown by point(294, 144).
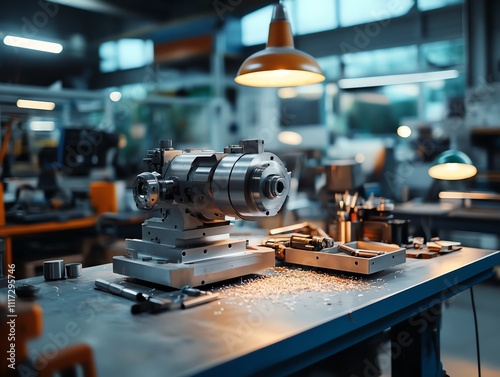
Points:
point(188, 242)
point(353, 217)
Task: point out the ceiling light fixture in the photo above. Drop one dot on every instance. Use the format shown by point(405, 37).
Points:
point(279, 64)
point(33, 44)
point(410, 78)
point(35, 105)
point(42, 125)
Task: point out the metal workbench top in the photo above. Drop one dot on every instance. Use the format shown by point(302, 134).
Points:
point(268, 335)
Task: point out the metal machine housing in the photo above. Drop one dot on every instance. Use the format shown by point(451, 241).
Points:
point(189, 242)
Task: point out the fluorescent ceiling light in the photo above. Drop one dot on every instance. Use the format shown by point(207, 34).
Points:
point(42, 125)
point(36, 105)
point(33, 44)
point(364, 82)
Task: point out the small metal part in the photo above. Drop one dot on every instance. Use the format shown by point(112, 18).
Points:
point(195, 301)
point(147, 190)
point(275, 186)
point(279, 251)
point(73, 270)
point(153, 305)
point(192, 292)
point(54, 270)
point(27, 291)
point(315, 243)
point(252, 146)
point(166, 144)
point(119, 290)
point(347, 249)
point(360, 252)
point(233, 149)
point(366, 254)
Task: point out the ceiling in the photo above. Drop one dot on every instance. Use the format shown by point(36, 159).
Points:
point(81, 25)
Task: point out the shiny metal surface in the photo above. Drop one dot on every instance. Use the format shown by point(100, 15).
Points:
point(258, 185)
point(73, 270)
point(198, 273)
point(335, 260)
point(54, 270)
point(215, 184)
point(146, 190)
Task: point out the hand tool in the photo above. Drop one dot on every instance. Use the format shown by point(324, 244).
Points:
point(119, 290)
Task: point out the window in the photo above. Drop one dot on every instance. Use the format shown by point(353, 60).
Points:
point(125, 54)
point(432, 88)
point(434, 4)
point(380, 62)
point(255, 26)
point(305, 16)
point(443, 54)
point(354, 12)
point(443, 98)
point(379, 110)
point(330, 65)
point(311, 16)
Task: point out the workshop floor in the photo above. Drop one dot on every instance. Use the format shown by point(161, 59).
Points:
point(458, 347)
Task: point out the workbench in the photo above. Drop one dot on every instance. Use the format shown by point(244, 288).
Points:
point(123, 224)
point(434, 217)
point(261, 337)
point(10, 231)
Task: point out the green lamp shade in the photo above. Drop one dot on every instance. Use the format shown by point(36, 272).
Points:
point(452, 165)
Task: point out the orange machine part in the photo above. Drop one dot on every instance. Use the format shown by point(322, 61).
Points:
point(103, 197)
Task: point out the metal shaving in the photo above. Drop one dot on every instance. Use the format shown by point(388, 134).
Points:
point(284, 285)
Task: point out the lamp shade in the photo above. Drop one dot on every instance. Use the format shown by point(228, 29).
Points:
point(452, 165)
point(279, 64)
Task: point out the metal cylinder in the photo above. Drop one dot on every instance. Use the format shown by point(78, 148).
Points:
point(243, 182)
point(147, 190)
point(54, 270)
point(250, 185)
point(73, 270)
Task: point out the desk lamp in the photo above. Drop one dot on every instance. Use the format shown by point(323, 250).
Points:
point(452, 165)
point(279, 64)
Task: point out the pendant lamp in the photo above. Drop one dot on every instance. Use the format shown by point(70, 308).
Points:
point(279, 64)
point(452, 165)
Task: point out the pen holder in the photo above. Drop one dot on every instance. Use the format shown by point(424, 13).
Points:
point(346, 231)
